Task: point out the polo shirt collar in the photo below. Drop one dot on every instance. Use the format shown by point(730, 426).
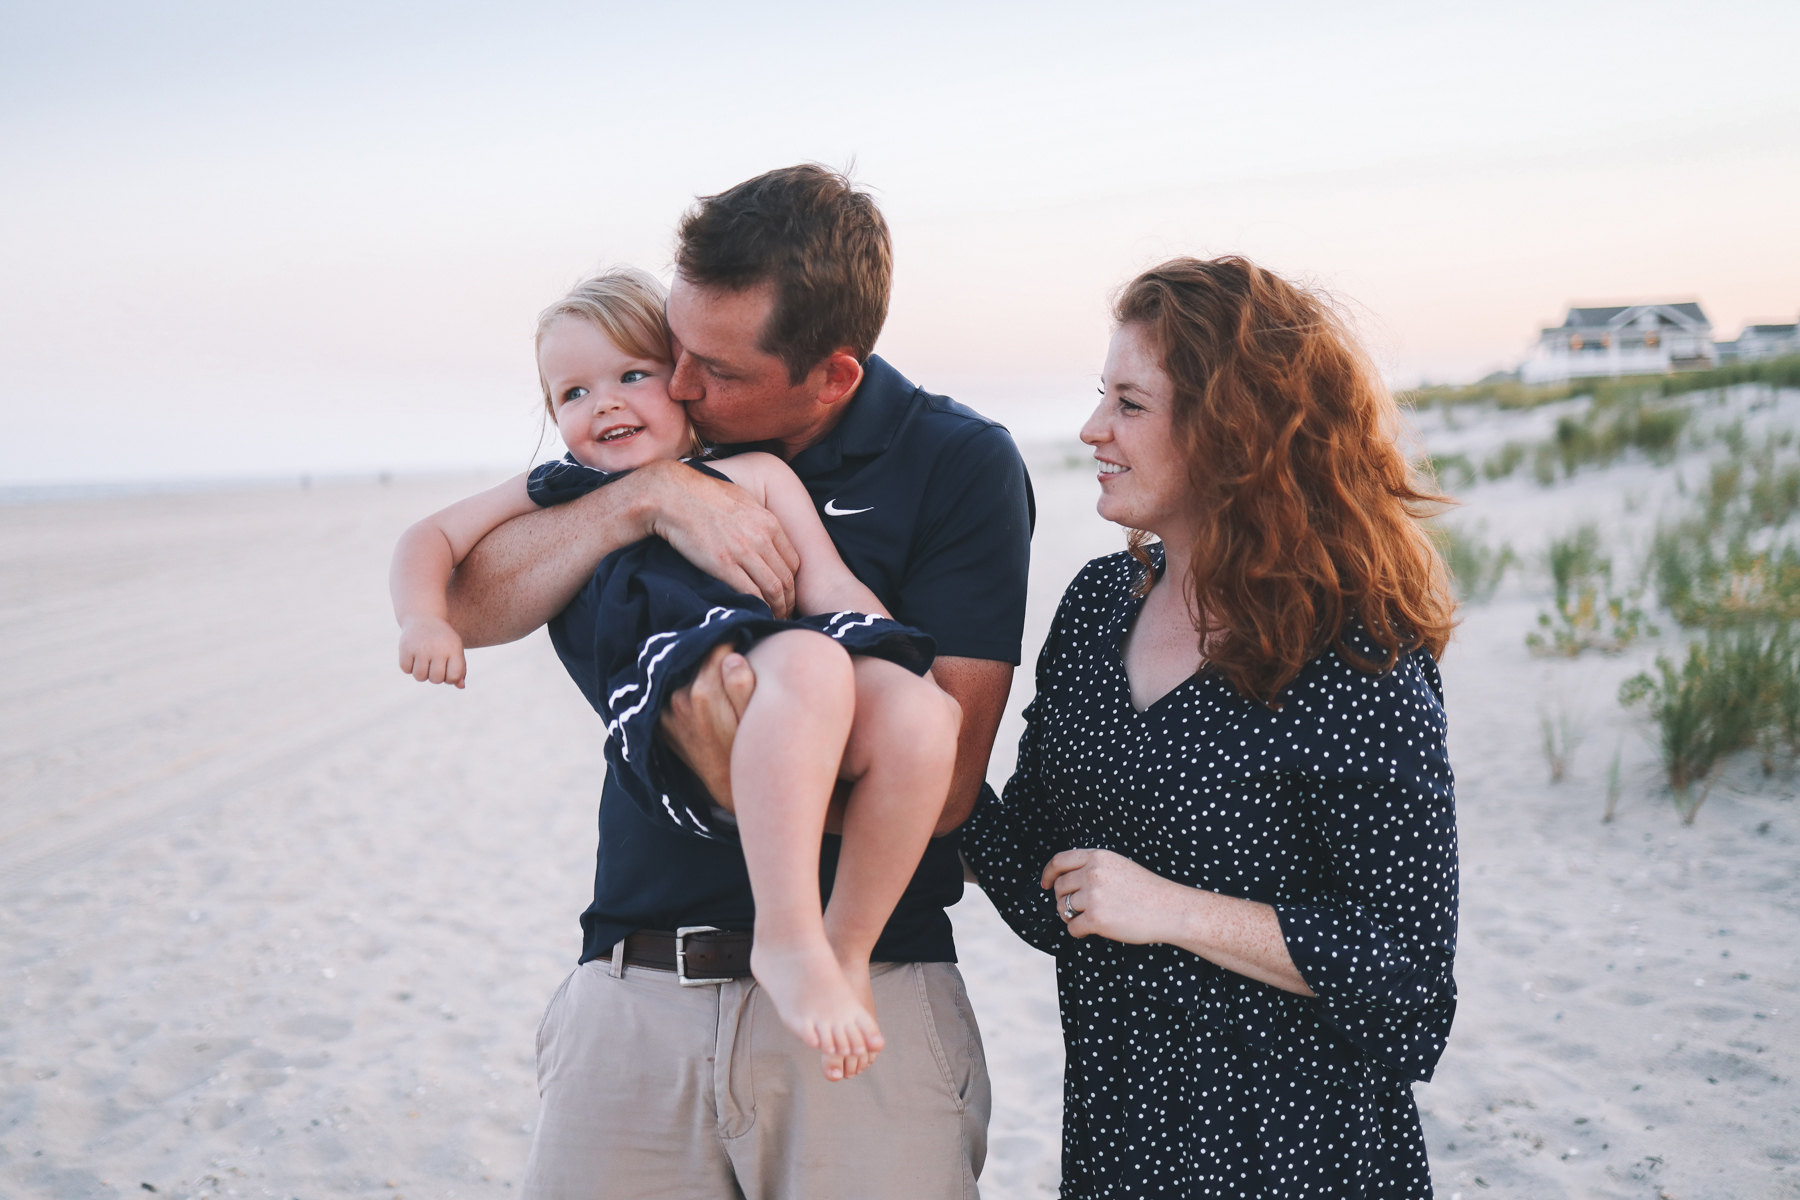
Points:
point(869, 425)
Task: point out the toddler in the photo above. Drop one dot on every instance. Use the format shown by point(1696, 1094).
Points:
point(842, 691)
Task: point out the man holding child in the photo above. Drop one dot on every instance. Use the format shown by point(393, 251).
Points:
point(652, 1085)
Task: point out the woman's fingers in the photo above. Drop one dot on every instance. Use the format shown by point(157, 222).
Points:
point(1062, 864)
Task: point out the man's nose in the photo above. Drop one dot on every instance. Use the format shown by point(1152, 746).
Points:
point(684, 381)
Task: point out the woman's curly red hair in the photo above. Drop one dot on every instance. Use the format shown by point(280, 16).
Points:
point(1309, 514)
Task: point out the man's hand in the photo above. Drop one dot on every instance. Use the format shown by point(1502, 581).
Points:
point(526, 571)
point(430, 651)
point(719, 529)
point(700, 720)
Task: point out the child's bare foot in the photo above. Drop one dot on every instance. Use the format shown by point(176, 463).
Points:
point(844, 1066)
point(856, 974)
point(819, 1005)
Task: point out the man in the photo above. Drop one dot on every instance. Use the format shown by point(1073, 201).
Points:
point(651, 1087)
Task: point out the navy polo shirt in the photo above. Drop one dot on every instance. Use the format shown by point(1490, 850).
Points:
point(930, 506)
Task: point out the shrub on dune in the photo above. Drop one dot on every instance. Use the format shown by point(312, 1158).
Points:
point(1731, 692)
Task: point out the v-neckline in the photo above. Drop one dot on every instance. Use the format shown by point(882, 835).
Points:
point(1127, 620)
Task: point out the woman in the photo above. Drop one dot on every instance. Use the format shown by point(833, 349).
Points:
point(1232, 818)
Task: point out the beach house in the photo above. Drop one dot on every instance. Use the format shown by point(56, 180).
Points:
point(1622, 339)
point(1761, 341)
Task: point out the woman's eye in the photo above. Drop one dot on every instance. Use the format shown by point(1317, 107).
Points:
point(1127, 406)
point(573, 394)
point(633, 376)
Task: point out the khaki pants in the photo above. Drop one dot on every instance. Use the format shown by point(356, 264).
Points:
point(651, 1089)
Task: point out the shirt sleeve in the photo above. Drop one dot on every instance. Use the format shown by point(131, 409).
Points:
point(967, 574)
point(1378, 943)
point(1010, 837)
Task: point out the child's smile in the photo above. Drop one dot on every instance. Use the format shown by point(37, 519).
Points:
point(612, 408)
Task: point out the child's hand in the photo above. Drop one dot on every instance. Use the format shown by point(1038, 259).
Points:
point(431, 652)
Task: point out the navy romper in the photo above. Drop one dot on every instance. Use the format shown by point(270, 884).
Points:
point(659, 617)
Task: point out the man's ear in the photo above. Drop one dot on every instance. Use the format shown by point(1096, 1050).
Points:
point(840, 375)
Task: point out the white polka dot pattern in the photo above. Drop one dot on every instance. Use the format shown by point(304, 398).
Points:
point(1183, 1078)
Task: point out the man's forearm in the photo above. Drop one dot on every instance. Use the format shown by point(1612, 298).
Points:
point(981, 687)
point(526, 571)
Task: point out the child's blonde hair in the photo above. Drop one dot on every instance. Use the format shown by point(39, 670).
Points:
point(628, 306)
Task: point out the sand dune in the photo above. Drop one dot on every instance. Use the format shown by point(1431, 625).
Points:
point(279, 922)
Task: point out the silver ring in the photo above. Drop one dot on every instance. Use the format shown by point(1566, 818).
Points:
point(1069, 913)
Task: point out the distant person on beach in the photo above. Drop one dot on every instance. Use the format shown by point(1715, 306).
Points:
point(1232, 820)
point(817, 716)
point(649, 1087)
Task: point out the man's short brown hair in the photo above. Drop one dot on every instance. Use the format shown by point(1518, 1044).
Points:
point(819, 241)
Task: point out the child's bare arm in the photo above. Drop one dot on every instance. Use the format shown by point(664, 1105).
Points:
point(823, 584)
point(430, 650)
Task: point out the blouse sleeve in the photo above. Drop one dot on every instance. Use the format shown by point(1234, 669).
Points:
point(1378, 941)
point(1011, 836)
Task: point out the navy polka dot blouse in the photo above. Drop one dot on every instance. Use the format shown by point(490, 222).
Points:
point(1183, 1078)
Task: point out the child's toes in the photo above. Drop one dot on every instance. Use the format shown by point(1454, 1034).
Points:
point(833, 1065)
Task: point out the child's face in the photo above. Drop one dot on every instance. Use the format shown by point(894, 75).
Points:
point(612, 409)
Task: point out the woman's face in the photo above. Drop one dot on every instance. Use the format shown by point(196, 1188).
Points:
point(1143, 479)
point(612, 408)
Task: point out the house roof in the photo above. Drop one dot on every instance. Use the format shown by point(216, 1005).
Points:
point(1614, 315)
point(1776, 330)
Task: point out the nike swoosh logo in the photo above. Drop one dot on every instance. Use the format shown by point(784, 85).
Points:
point(832, 510)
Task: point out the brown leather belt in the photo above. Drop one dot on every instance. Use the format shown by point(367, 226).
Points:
point(698, 954)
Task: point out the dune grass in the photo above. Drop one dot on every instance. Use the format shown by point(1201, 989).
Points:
point(1587, 614)
point(1733, 691)
point(1729, 569)
point(1730, 561)
point(1476, 567)
point(1512, 394)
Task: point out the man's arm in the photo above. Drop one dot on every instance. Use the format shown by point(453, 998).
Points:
point(527, 571)
point(981, 686)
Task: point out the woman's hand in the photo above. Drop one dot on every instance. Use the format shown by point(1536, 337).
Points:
point(1114, 897)
point(1100, 892)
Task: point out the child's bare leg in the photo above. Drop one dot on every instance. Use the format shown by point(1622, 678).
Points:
point(901, 753)
point(784, 763)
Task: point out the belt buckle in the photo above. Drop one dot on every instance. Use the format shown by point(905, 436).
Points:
point(681, 957)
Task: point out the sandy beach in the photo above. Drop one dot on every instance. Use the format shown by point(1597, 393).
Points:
point(277, 921)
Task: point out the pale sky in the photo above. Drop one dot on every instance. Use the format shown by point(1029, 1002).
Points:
point(242, 241)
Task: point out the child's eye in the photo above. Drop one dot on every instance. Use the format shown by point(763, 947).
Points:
point(573, 394)
point(633, 376)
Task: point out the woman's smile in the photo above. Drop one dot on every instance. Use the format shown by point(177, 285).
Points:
point(1134, 421)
